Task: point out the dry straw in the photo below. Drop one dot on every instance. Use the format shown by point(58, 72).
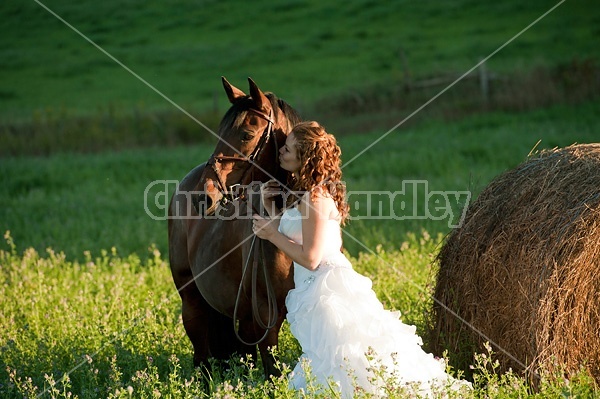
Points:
point(524, 268)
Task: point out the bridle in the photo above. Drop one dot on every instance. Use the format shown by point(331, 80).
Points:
point(228, 192)
point(259, 256)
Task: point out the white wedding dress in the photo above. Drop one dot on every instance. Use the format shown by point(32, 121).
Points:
point(345, 332)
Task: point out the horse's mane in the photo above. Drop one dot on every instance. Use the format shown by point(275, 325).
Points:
point(290, 113)
point(236, 114)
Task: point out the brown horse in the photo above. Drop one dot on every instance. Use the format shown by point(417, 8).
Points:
point(211, 244)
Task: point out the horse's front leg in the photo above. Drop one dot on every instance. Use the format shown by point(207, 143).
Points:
point(223, 341)
point(266, 348)
point(194, 313)
point(194, 309)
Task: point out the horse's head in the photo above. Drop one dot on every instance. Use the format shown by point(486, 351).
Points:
point(250, 135)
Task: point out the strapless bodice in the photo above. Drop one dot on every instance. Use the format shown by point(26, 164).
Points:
point(291, 226)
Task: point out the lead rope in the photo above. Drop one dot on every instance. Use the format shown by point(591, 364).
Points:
point(236, 327)
point(271, 299)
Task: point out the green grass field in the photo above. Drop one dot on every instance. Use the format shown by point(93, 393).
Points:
point(302, 50)
point(107, 312)
point(89, 309)
point(89, 202)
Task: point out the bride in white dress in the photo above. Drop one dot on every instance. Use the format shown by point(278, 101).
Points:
point(350, 343)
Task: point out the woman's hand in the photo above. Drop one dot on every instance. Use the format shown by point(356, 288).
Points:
point(264, 228)
point(268, 191)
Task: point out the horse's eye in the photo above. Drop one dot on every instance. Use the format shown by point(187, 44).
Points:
point(247, 136)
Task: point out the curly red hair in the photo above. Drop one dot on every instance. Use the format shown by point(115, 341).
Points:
point(320, 164)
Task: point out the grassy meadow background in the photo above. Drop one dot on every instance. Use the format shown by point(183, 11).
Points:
point(88, 307)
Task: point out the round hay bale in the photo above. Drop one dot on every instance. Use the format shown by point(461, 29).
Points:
point(524, 269)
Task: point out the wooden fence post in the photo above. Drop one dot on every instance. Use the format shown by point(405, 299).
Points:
point(484, 82)
point(405, 69)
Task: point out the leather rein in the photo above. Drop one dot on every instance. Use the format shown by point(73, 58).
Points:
point(258, 252)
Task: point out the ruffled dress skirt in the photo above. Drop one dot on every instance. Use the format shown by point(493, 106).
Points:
point(350, 343)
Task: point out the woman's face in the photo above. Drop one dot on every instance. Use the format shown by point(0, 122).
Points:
point(288, 155)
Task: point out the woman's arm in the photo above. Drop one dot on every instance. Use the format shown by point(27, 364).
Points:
point(315, 213)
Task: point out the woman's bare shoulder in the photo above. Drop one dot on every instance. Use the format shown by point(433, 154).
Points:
point(319, 203)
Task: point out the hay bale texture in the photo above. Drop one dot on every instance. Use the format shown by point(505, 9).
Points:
point(524, 268)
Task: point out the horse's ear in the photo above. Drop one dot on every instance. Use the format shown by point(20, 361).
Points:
point(262, 102)
point(233, 93)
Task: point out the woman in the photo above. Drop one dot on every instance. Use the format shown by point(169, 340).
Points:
point(349, 341)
